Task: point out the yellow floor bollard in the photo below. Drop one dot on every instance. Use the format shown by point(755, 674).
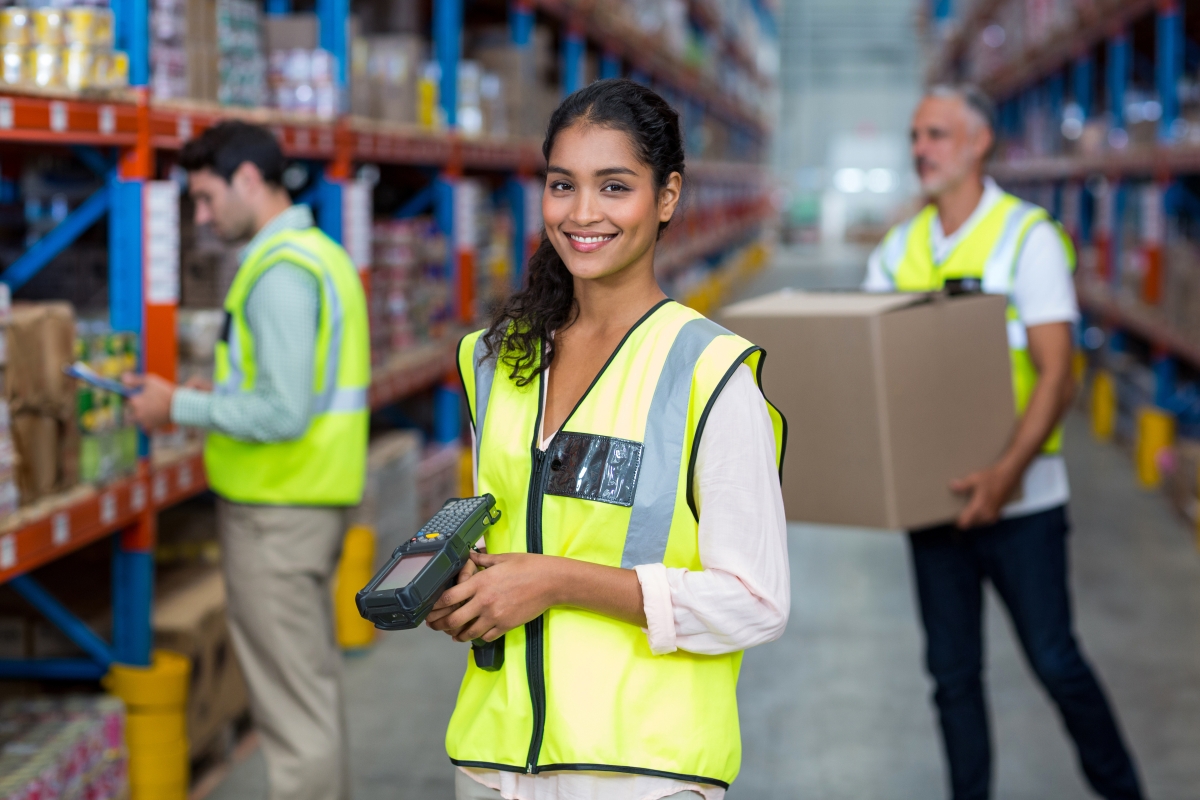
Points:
point(1079, 365)
point(1104, 406)
point(1155, 433)
point(155, 700)
point(466, 474)
point(354, 571)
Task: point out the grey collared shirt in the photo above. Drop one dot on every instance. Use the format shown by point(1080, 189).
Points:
point(282, 312)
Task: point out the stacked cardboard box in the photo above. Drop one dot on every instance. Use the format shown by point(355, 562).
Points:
point(41, 398)
point(224, 52)
point(525, 76)
point(189, 618)
point(438, 478)
point(389, 505)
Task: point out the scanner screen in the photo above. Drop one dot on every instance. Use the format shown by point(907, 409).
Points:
point(405, 570)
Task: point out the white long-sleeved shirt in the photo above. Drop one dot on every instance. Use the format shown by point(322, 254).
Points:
point(1043, 293)
point(740, 599)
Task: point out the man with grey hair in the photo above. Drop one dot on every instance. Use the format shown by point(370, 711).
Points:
point(972, 236)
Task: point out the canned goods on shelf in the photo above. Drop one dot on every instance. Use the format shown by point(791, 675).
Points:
point(79, 66)
point(14, 65)
point(82, 24)
point(48, 24)
point(46, 66)
point(15, 25)
point(118, 69)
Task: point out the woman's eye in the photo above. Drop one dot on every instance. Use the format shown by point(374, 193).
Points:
point(560, 186)
point(614, 187)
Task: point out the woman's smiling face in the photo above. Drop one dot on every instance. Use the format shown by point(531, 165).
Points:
point(600, 206)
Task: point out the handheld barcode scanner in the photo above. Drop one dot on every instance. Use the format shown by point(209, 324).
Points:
point(402, 593)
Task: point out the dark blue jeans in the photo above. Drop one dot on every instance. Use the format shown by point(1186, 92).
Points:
point(1026, 560)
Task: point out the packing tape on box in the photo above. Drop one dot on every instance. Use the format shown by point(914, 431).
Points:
point(152, 728)
point(162, 685)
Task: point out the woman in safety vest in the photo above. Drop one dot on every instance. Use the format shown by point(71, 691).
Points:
point(642, 543)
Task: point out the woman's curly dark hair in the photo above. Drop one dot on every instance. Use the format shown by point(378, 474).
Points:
point(547, 301)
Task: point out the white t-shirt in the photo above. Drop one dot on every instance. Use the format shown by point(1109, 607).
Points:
point(741, 598)
point(1043, 292)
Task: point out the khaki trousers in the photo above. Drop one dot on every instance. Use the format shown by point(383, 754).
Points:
point(467, 788)
point(278, 563)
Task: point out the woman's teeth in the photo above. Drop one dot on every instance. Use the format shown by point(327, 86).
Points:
point(591, 239)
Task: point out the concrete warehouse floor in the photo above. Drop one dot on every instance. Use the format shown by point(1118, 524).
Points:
point(838, 708)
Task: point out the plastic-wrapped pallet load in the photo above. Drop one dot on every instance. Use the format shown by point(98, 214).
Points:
point(63, 749)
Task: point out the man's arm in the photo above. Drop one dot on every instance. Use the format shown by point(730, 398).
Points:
point(1050, 348)
point(282, 311)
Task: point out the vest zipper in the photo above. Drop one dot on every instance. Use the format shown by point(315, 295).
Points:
point(534, 664)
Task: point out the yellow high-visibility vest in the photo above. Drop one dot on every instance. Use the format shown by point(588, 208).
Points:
point(327, 464)
point(579, 690)
point(989, 253)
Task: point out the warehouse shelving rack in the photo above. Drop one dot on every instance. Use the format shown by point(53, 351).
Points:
point(1065, 66)
point(135, 128)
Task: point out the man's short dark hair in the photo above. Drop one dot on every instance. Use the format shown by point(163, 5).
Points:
point(227, 145)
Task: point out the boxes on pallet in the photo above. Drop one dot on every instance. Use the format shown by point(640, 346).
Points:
point(1182, 483)
point(889, 398)
point(189, 618)
point(68, 748)
point(390, 506)
point(438, 478)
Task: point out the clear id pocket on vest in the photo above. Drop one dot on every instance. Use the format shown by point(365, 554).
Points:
point(591, 467)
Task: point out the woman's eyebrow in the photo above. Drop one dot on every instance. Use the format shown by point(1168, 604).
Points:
point(560, 170)
point(604, 173)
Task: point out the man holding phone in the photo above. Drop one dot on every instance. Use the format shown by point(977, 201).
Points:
point(286, 447)
point(974, 233)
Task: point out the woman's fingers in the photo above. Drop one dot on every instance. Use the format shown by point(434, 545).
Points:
point(486, 559)
point(463, 616)
point(467, 571)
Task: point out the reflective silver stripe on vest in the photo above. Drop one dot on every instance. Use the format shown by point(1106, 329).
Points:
point(331, 397)
point(324, 401)
point(999, 274)
point(666, 428)
point(485, 373)
point(1000, 269)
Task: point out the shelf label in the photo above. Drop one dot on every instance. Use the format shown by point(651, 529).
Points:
point(58, 116)
point(60, 529)
point(303, 140)
point(160, 488)
point(137, 497)
point(6, 113)
point(183, 128)
point(8, 551)
point(162, 242)
point(108, 120)
point(185, 476)
point(108, 508)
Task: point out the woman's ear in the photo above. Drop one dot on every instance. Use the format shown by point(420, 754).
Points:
point(668, 197)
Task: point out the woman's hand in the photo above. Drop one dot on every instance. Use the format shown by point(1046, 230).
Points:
point(499, 593)
point(440, 611)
